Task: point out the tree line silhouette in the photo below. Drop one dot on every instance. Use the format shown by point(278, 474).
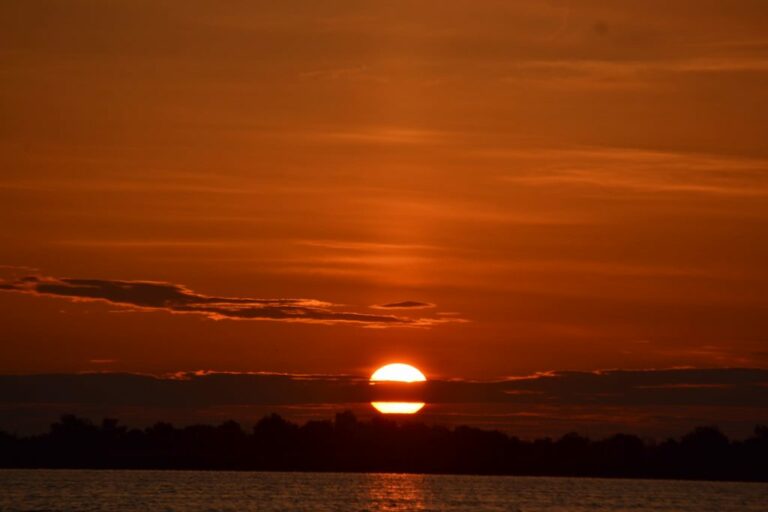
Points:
point(383, 445)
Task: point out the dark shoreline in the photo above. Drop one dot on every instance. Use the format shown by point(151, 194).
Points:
point(381, 445)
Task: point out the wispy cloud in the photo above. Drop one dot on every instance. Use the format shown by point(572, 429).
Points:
point(640, 171)
point(175, 298)
point(610, 74)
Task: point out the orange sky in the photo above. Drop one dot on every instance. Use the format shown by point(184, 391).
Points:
point(568, 185)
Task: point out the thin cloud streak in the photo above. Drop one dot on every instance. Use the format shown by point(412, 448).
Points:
point(640, 171)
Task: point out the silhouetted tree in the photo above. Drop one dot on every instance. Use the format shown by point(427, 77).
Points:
point(382, 444)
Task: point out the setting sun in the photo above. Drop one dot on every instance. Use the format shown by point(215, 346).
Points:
point(398, 407)
point(398, 372)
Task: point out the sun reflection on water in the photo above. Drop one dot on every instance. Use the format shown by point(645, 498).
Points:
point(395, 492)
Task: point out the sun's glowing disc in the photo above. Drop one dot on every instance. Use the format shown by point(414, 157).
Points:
point(398, 407)
point(398, 372)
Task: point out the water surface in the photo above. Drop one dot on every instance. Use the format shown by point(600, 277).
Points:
point(102, 490)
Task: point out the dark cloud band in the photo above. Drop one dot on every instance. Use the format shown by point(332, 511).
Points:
point(176, 298)
point(728, 387)
point(407, 304)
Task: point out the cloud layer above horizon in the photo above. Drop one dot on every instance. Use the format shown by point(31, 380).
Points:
point(717, 387)
point(648, 402)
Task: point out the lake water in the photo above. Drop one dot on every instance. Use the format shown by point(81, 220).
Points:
point(238, 491)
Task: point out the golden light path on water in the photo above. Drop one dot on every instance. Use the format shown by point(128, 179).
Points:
point(398, 372)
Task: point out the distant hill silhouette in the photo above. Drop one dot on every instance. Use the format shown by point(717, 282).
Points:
point(381, 444)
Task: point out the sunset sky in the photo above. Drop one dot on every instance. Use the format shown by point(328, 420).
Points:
point(565, 200)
